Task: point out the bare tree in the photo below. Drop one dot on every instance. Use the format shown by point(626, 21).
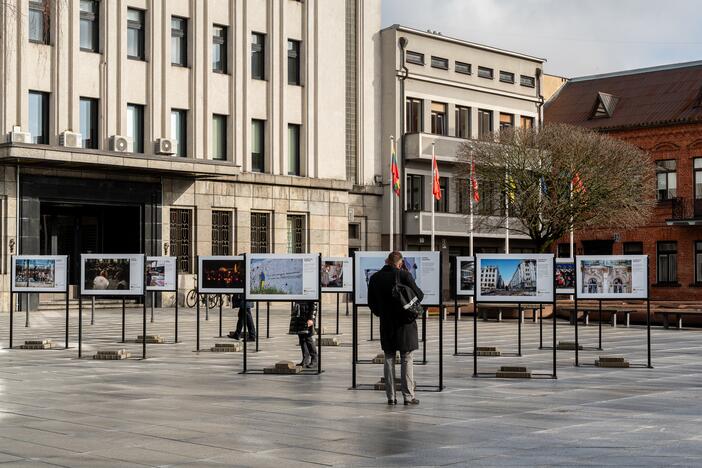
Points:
point(557, 177)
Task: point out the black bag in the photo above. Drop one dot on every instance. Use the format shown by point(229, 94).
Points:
point(405, 297)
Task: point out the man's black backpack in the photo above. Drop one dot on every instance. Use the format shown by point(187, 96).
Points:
point(406, 298)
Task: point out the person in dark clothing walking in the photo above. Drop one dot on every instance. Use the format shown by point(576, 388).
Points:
point(395, 333)
point(304, 314)
point(244, 314)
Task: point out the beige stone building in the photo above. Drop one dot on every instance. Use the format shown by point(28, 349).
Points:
point(188, 127)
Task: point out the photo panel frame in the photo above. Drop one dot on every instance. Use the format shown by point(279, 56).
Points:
point(39, 273)
point(611, 276)
point(465, 276)
point(221, 274)
point(282, 277)
point(565, 276)
point(161, 274)
point(336, 274)
point(112, 274)
point(515, 278)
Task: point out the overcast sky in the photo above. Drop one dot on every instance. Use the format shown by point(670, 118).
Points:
point(577, 37)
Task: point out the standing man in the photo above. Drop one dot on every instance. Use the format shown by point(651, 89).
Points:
point(396, 334)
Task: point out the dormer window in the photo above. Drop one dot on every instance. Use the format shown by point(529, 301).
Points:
point(604, 106)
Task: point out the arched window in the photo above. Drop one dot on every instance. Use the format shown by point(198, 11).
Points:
point(618, 286)
point(592, 286)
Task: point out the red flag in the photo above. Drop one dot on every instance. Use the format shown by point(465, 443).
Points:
point(474, 184)
point(435, 185)
point(395, 172)
point(578, 186)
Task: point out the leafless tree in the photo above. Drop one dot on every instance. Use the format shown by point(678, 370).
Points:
point(557, 177)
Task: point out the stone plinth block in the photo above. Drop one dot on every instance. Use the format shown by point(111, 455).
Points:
point(568, 346)
point(330, 341)
point(112, 355)
point(226, 348)
point(513, 372)
point(283, 367)
point(151, 339)
point(612, 361)
point(37, 344)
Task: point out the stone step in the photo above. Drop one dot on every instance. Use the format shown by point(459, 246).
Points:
point(568, 346)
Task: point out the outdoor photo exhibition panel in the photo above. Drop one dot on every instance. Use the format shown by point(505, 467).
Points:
point(515, 279)
point(336, 276)
point(612, 278)
point(463, 286)
point(565, 276)
point(112, 275)
point(284, 278)
point(425, 267)
point(161, 276)
point(38, 274)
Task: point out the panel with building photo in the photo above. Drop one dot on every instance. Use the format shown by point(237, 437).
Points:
point(515, 278)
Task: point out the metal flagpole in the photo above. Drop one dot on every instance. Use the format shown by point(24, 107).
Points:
point(507, 214)
point(392, 195)
point(472, 193)
point(572, 237)
point(433, 202)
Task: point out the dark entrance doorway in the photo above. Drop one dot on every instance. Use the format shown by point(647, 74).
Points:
point(598, 247)
point(72, 229)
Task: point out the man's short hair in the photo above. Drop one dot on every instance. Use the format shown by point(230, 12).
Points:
point(394, 257)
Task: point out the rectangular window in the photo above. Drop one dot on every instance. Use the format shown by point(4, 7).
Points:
point(463, 68)
point(258, 145)
point(293, 62)
point(528, 81)
point(39, 117)
point(491, 200)
point(526, 122)
point(698, 262)
point(258, 56)
point(564, 250)
point(221, 232)
point(633, 248)
point(296, 234)
point(89, 122)
point(506, 120)
point(294, 149)
point(463, 122)
point(179, 131)
point(39, 24)
point(439, 118)
point(89, 25)
point(667, 264)
point(179, 41)
point(260, 232)
point(354, 231)
point(135, 126)
point(484, 72)
point(666, 179)
point(697, 164)
point(415, 192)
point(506, 77)
point(181, 238)
point(414, 57)
point(484, 123)
point(439, 62)
point(219, 137)
point(136, 34)
point(219, 48)
point(415, 115)
point(442, 206)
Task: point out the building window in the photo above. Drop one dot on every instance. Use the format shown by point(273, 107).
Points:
point(506, 77)
point(219, 49)
point(221, 232)
point(179, 41)
point(354, 231)
point(258, 145)
point(414, 57)
point(89, 122)
point(463, 122)
point(258, 56)
point(633, 248)
point(89, 25)
point(484, 72)
point(296, 234)
point(666, 179)
point(442, 206)
point(219, 137)
point(526, 122)
point(179, 131)
point(667, 265)
point(463, 68)
point(136, 35)
point(415, 115)
point(506, 120)
point(415, 192)
point(697, 164)
point(528, 81)
point(439, 62)
point(135, 126)
point(563, 250)
point(293, 62)
point(439, 118)
point(491, 200)
point(294, 150)
point(698, 262)
point(39, 117)
point(181, 240)
point(484, 123)
point(260, 232)
point(39, 24)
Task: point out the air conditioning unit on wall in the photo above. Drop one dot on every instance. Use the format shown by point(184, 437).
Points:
point(71, 140)
point(121, 144)
point(165, 146)
point(18, 136)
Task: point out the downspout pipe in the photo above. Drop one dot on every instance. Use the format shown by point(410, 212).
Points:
point(402, 76)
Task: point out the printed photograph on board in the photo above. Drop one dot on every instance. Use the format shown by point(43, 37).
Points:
point(155, 274)
point(332, 274)
point(508, 277)
point(466, 276)
point(606, 276)
point(565, 277)
point(35, 273)
point(276, 276)
point(222, 274)
point(107, 274)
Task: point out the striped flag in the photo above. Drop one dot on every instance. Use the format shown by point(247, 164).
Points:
point(474, 183)
point(395, 171)
point(578, 186)
point(435, 185)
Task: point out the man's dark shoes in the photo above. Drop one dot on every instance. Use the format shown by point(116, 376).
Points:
point(392, 402)
point(413, 401)
point(312, 364)
point(234, 336)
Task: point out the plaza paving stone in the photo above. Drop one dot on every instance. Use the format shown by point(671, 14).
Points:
point(183, 408)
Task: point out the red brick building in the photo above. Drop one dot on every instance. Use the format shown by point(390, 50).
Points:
point(659, 110)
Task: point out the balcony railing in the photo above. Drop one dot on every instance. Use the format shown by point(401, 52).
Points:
point(418, 223)
point(418, 146)
point(686, 209)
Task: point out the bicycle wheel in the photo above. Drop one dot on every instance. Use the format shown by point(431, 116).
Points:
point(213, 300)
point(190, 298)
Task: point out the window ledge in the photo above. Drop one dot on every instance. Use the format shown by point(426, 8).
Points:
point(695, 285)
point(667, 285)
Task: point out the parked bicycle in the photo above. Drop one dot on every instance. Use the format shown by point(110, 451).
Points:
point(207, 300)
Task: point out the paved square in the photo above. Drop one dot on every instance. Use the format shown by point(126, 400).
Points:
point(181, 408)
